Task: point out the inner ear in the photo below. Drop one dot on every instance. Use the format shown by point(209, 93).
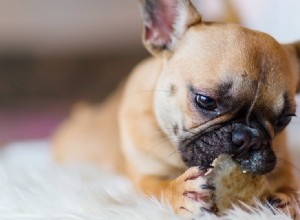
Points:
point(159, 24)
point(165, 21)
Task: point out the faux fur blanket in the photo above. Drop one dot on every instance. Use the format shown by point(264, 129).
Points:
point(34, 187)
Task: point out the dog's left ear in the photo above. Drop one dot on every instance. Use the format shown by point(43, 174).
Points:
point(294, 52)
point(165, 22)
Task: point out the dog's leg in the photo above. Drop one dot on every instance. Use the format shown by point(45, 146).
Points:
point(282, 181)
point(151, 159)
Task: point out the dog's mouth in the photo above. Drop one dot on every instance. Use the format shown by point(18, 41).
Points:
point(204, 148)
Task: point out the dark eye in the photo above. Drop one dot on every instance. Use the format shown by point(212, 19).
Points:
point(205, 102)
point(283, 121)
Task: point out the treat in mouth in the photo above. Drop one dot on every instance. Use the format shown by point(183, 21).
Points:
point(234, 186)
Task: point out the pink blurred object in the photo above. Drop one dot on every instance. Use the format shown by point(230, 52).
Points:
point(25, 123)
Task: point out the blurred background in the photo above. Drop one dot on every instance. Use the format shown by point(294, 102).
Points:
point(54, 53)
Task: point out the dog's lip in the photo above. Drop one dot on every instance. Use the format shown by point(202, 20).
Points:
point(271, 163)
point(268, 166)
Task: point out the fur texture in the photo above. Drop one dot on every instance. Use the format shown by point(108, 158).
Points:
point(34, 187)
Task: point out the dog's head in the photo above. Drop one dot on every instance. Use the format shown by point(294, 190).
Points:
point(222, 88)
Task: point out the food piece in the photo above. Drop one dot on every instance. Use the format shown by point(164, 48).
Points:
point(235, 186)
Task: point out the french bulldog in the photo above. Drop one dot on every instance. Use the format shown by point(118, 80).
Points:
point(209, 89)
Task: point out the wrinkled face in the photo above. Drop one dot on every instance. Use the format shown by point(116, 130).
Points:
point(227, 90)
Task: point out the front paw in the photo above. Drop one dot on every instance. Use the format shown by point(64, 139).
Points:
point(190, 194)
point(285, 203)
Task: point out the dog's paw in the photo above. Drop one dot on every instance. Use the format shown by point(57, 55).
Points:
point(191, 196)
point(285, 203)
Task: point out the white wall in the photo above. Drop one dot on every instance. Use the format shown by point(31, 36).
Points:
point(280, 18)
point(113, 24)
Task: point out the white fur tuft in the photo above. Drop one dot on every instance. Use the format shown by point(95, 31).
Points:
point(34, 187)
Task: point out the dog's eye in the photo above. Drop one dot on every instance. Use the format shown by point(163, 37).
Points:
point(283, 121)
point(206, 102)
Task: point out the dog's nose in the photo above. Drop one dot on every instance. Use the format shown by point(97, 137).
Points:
point(246, 140)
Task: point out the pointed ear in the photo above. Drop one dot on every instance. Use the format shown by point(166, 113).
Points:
point(165, 22)
point(294, 52)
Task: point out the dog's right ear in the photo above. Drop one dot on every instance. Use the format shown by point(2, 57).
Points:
point(294, 53)
point(297, 49)
point(165, 22)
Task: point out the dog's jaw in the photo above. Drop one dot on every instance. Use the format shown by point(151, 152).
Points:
point(204, 148)
point(259, 162)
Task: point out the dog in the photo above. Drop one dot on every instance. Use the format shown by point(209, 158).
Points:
point(209, 89)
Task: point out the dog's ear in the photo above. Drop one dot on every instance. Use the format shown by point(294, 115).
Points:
point(294, 53)
point(165, 21)
point(297, 49)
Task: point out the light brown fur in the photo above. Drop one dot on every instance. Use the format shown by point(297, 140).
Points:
point(155, 98)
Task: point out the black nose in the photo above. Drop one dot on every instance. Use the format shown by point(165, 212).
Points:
point(246, 140)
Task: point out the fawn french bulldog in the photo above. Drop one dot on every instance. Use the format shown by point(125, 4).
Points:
point(210, 89)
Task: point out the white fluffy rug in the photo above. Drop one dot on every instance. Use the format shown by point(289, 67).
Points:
point(32, 186)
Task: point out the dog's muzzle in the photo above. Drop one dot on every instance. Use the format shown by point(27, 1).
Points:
point(249, 147)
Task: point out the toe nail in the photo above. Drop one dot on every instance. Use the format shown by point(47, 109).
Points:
point(206, 210)
point(201, 168)
point(205, 168)
point(274, 201)
point(208, 187)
